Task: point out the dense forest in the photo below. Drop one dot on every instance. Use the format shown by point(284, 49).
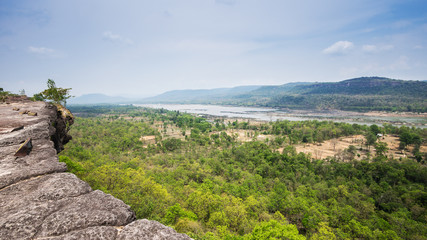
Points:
point(194, 175)
point(358, 94)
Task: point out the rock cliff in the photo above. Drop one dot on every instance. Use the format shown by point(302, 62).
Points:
point(39, 200)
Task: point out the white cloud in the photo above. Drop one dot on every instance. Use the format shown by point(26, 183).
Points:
point(215, 47)
point(369, 48)
point(41, 50)
point(116, 38)
point(45, 52)
point(375, 48)
point(387, 47)
point(206, 48)
point(340, 47)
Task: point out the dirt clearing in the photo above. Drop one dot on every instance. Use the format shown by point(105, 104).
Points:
point(336, 147)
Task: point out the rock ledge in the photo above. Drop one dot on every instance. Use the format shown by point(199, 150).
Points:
point(39, 200)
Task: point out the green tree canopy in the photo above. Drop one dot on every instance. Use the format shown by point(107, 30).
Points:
point(53, 93)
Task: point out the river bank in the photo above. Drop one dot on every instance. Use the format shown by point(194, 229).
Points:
point(269, 114)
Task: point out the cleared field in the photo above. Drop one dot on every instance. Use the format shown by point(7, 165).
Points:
point(337, 147)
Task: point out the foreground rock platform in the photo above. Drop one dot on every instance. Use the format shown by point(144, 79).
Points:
point(39, 200)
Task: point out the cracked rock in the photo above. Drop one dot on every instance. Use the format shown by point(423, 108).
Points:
point(39, 200)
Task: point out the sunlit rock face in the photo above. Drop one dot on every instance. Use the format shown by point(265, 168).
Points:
point(39, 200)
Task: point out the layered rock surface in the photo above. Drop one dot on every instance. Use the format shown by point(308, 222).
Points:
point(39, 200)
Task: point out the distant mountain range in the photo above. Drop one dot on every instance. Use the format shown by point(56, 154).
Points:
point(199, 95)
point(358, 94)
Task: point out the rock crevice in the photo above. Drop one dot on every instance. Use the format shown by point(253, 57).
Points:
point(39, 200)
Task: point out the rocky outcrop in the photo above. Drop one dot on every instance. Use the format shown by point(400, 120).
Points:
point(62, 125)
point(39, 200)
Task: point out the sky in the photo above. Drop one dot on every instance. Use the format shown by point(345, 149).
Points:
point(140, 48)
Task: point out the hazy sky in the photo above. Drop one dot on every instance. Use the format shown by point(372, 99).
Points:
point(141, 47)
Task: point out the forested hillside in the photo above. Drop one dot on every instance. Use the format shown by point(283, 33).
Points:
point(370, 86)
point(195, 175)
point(359, 94)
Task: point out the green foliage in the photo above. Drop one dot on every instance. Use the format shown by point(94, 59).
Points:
point(375, 129)
point(4, 95)
point(211, 186)
point(312, 131)
point(273, 229)
point(74, 167)
point(324, 233)
point(175, 212)
point(171, 144)
point(371, 138)
point(147, 197)
point(407, 138)
point(381, 149)
point(53, 93)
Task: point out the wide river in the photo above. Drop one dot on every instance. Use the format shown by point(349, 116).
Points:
point(269, 114)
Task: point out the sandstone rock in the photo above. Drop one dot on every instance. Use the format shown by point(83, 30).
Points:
point(101, 233)
point(93, 209)
point(41, 160)
point(146, 229)
point(27, 204)
point(38, 200)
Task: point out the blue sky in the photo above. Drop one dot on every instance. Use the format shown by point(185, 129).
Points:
point(142, 48)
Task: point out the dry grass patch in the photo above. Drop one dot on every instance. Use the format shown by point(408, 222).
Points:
point(337, 146)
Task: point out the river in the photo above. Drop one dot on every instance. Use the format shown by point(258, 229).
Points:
point(270, 114)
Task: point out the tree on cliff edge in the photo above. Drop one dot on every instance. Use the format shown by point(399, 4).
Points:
point(53, 93)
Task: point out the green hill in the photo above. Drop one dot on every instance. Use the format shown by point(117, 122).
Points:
point(371, 86)
point(358, 94)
